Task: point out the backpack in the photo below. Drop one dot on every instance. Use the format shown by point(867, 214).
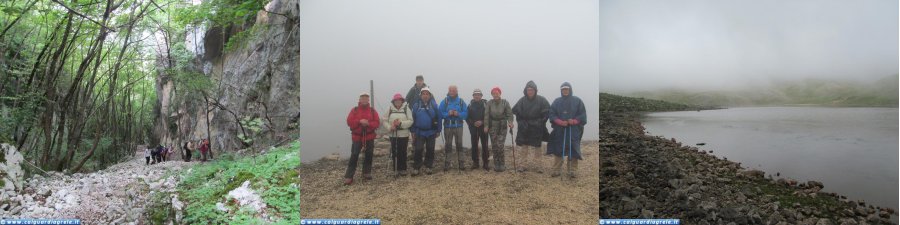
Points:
point(447, 104)
point(458, 103)
point(434, 116)
point(401, 112)
point(371, 110)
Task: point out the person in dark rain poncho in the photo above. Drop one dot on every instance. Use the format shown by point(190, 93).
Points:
point(532, 111)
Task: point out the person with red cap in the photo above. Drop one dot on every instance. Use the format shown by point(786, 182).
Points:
point(398, 121)
point(499, 117)
point(362, 120)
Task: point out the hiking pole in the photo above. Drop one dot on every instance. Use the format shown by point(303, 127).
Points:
point(393, 149)
point(563, 149)
point(569, 138)
point(515, 168)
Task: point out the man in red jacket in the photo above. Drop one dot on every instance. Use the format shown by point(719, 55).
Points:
point(363, 120)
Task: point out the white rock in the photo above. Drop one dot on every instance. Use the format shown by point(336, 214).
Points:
point(247, 197)
point(178, 206)
point(11, 167)
point(221, 207)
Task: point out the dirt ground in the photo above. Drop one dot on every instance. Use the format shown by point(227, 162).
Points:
point(453, 197)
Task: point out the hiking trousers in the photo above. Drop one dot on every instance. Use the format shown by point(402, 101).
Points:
point(354, 158)
point(453, 136)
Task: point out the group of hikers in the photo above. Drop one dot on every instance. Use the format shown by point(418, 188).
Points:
point(162, 153)
point(419, 119)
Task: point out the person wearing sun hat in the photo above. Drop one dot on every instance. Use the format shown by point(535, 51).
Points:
point(499, 119)
point(426, 127)
point(475, 120)
point(399, 119)
point(568, 117)
point(363, 120)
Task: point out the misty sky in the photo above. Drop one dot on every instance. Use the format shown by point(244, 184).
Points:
point(473, 44)
point(724, 44)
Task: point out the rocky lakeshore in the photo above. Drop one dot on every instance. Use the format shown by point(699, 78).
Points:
point(646, 176)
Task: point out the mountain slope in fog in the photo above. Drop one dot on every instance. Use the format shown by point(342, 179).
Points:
point(878, 93)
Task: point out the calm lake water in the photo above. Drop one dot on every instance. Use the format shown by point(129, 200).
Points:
point(853, 151)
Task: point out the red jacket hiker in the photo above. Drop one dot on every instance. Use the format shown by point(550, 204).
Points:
point(363, 112)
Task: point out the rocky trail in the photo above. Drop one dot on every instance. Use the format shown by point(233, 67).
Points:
point(116, 195)
point(652, 177)
point(452, 197)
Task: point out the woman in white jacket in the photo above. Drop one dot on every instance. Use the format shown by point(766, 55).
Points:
point(399, 119)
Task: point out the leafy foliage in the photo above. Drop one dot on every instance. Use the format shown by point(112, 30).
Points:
point(272, 175)
point(254, 125)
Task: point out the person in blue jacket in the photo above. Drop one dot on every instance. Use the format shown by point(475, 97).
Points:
point(453, 112)
point(568, 117)
point(426, 127)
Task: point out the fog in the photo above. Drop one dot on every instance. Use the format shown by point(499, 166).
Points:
point(472, 44)
point(647, 45)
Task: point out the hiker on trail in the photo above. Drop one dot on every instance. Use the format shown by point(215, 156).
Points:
point(426, 127)
point(475, 119)
point(186, 155)
point(532, 111)
point(568, 118)
point(147, 155)
point(499, 117)
point(158, 156)
point(163, 153)
point(204, 150)
point(170, 153)
point(152, 155)
point(399, 120)
point(363, 121)
point(453, 111)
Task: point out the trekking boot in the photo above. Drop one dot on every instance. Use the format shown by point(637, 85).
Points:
point(415, 172)
point(367, 176)
point(348, 181)
point(428, 171)
point(402, 173)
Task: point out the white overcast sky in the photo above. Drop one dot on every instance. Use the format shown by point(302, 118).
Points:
point(724, 44)
point(470, 43)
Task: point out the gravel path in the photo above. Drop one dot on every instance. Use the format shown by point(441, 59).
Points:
point(116, 195)
point(453, 197)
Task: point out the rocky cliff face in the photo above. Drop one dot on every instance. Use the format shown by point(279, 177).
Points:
point(254, 100)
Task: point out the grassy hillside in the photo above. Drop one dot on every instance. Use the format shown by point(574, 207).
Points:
point(204, 191)
point(878, 93)
point(616, 103)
